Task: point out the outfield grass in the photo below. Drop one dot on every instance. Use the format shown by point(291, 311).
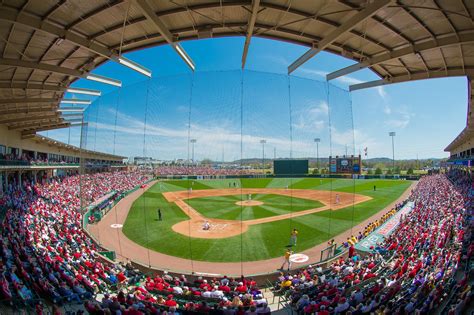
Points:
point(261, 241)
point(225, 207)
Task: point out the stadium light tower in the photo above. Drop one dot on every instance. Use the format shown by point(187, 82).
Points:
point(392, 134)
point(193, 141)
point(263, 141)
point(317, 140)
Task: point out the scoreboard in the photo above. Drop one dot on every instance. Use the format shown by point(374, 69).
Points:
point(290, 167)
point(345, 164)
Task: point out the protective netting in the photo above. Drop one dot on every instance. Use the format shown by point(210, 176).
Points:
point(206, 143)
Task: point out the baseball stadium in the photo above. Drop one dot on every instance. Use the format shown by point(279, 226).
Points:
point(236, 157)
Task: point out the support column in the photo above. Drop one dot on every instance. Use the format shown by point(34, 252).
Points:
point(2, 175)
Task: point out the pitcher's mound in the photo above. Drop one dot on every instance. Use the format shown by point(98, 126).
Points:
point(249, 203)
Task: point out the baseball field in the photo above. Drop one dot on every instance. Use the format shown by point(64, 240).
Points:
point(251, 219)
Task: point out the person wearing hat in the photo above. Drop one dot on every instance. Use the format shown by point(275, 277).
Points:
point(206, 293)
point(323, 311)
point(170, 302)
point(225, 280)
point(263, 308)
point(342, 306)
point(224, 302)
point(167, 277)
point(293, 237)
point(241, 288)
point(216, 293)
point(302, 303)
point(286, 258)
point(286, 283)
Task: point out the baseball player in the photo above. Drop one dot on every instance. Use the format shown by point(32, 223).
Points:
point(293, 237)
point(286, 259)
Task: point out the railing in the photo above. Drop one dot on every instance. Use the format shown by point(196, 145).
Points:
point(33, 163)
point(13, 163)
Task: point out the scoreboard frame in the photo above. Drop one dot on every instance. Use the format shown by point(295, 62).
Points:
point(345, 164)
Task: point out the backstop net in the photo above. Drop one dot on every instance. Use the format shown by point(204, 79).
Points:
point(199, 180)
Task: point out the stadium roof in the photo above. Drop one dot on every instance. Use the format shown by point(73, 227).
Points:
point(46, 45)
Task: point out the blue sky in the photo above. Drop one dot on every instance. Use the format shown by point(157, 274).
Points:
point(426, 115)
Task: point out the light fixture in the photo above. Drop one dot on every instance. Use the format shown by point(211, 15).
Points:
point(71, 110)
point(102, 79)
point(185, 56)
point(134, 66)
point(74, 121)
point(84, 91)
point(71, 116)
point(59, 41)
point(75, 101)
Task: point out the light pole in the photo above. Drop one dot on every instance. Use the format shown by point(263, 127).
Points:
point(392, 134)
point(263, 141)
point(193, 141)
point(317, 140)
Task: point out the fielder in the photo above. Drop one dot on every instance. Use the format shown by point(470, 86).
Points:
point(293, 237)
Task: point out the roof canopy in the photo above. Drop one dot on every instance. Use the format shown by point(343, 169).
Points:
point(46, 45)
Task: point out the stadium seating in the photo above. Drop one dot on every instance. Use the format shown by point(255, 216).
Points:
point(46, 255)
point(413, 270)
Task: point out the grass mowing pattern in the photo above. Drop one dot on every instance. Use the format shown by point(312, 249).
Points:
point(261, 241)
point(224, 207)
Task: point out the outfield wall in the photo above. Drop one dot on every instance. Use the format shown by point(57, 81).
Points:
point(335, 176)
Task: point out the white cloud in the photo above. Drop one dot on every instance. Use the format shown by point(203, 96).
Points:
point(401, 121)
point(313, 118)
point(173, 141)
point(349, 80)
point(281, 60)
point(353, 139)
point(382, 92)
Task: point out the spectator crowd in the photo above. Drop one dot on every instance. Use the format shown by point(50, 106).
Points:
point(45, 254)
point(415, 270)
point(204, 171)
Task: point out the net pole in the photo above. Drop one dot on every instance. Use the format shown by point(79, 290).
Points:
point(116, 207)
point(144, 155)
point(96, 120)
point(330, 154)
point(241, 170)
point(116, 114)
point(189, 170)
point(353, 154)
point(291, 155)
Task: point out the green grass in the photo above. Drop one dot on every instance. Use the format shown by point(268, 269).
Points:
point(225, 207)
point(261, 241)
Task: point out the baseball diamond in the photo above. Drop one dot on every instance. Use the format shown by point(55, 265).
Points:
point(262, 238)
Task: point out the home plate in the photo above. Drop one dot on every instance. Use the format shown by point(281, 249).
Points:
point(116, 226)
point(299, 258)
